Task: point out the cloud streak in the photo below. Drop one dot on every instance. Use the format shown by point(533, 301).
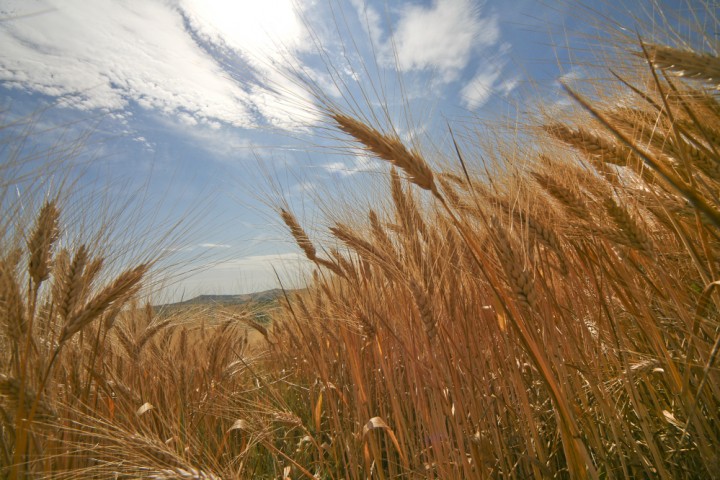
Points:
point(111, 55)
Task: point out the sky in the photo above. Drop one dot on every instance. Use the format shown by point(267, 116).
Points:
point(195, 108)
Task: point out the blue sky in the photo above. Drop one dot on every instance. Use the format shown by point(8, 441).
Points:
point(190, 102)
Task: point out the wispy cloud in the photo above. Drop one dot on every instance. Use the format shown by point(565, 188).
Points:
point(110, 55)
point(478, 90)
point(225, 143)
point(443, 36)
point(491, 78)
point(214, 245)
point(361, 162)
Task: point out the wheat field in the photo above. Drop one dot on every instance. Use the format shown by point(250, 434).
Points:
point(549, 312)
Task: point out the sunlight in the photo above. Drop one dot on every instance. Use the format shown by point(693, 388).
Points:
point(257, 27)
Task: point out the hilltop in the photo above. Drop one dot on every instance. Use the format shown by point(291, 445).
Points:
point(265, 298)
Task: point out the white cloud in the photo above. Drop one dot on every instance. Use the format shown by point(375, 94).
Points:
point(214, 245)
point(267, 28)
point(508, 86)
point(478, 90)
point(267, 34)
point(573, 74)
point(105, 54)
point(361, 162)
point(443, 36)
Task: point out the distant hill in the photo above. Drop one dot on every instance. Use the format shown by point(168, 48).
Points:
point(262, 298)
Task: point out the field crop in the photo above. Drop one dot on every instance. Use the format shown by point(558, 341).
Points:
point(539, 305)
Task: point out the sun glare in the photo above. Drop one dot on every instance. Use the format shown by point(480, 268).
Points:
point(253, 26)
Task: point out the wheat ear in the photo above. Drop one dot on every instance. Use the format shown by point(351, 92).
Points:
point(149, 333)
point(299, 234)
point(423, 305)
point(408, 214)
point(597, 148)
point(519, 278)
point(379, 234)
point(14, 392)
point(124, 286)
point(572, 203)
point(548, 237)
point(635, 236)
point(44, 235)
point(71, 283)
point(303, 241)
point(701, 66)
point(390, 148)
point(11, 305)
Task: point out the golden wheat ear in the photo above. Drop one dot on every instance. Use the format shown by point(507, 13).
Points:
point(70, 282)
point(117, 293)
point(11, 304)
point(299, 234)
point(686, 63)
point(303, 241)
point(390, 148)
point(41, 241)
